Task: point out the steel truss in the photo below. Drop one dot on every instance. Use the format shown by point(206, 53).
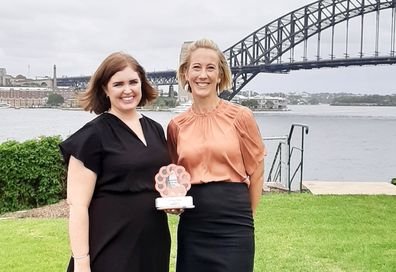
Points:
point(262, 50)
point(266, 45)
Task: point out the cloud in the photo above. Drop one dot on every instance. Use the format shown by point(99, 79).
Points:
point(77, 35)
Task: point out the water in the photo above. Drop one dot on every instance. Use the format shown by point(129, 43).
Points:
point(343, 143)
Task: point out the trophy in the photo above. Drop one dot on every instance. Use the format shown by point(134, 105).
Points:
point(173, 182)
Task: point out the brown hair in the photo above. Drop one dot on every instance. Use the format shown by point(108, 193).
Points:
point(225, 72)
point(95, 99)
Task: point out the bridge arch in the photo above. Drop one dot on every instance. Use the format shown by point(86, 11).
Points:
point(262, 50)
point(259, 51)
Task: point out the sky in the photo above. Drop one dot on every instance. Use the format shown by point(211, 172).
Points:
point(76, 35)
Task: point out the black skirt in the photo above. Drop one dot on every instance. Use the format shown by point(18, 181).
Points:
point(218, 234)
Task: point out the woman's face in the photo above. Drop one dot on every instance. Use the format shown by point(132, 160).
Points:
point(124, 90)
point(203, 73)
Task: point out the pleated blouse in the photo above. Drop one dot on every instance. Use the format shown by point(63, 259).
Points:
point(224, 144)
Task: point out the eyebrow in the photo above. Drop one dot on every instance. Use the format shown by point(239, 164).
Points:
point(132, 79)
point(198, 63)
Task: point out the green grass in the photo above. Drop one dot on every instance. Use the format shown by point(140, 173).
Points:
point(326, 233)
point(296, 232)
point(33, 245)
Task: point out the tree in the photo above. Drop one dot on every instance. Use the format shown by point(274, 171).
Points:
point(55, 99)
point(252, 103)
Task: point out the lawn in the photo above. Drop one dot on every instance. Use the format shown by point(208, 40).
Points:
point(294, 232)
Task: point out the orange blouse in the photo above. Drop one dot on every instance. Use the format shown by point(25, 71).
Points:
point(222, 145)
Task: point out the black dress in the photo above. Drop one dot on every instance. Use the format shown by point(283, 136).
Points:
point(126, 232)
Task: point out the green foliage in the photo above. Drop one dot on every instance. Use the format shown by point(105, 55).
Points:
point(393, 181)
point(377, 100)
point(164, 102)
point(252, 104)
point(313, 101)
point(31, 174)
point(55, 99)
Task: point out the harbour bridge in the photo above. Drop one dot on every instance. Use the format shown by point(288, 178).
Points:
point(282, 45)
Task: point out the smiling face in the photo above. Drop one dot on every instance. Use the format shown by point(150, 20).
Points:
point(203, 72)
point(124, 90)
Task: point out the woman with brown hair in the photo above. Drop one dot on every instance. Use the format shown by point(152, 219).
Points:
point(220, 145)
point(112, 161)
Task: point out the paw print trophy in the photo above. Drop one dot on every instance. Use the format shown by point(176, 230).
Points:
point(173, 182)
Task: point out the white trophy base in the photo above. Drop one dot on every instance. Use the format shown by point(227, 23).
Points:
point(174, 202)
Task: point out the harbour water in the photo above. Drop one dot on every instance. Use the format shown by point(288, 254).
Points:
point(343, 143)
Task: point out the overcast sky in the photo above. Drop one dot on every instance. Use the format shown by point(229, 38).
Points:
point(77, 35)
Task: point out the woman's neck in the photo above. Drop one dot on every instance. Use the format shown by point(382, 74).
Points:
point(204, 105)
point(127, 117)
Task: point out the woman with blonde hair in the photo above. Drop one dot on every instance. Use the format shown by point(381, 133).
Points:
point(112, 161)
point(220, 145)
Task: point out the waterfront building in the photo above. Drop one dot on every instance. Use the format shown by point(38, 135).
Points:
point(35, 97)
point(23, 92)
point(261, 102)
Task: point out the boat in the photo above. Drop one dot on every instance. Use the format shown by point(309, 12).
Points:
point(182, 107)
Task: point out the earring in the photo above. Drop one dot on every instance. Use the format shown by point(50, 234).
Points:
point(187, 87)
point(218, 89)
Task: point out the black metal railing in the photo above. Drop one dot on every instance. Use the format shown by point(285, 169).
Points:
point(275, 173)
point(300, 165)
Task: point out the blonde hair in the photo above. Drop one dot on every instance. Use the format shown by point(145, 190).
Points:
point(95, 99)
point(225, 72)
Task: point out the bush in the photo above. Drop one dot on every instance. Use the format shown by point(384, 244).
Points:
point(55, 99)
point(393, 181)
point(31, 174)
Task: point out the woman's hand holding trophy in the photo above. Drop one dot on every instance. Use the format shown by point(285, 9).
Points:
point(173, 182)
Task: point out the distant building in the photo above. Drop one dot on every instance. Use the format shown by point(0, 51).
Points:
point(4, 79)
point(34, 97)
point(22, 81)
point(23, 92)
point(261, 102)
point(275, 103)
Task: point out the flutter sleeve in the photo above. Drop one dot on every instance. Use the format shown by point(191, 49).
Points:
point(172, 132)
point(251, 142)
point(85, 145)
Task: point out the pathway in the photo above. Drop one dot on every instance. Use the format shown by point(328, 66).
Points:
point(349, 188)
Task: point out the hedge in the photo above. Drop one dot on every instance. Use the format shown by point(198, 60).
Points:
point(32, 174)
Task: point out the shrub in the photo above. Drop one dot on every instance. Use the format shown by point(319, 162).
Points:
point(393, 181)
point(31, 174)
point(55, 99)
